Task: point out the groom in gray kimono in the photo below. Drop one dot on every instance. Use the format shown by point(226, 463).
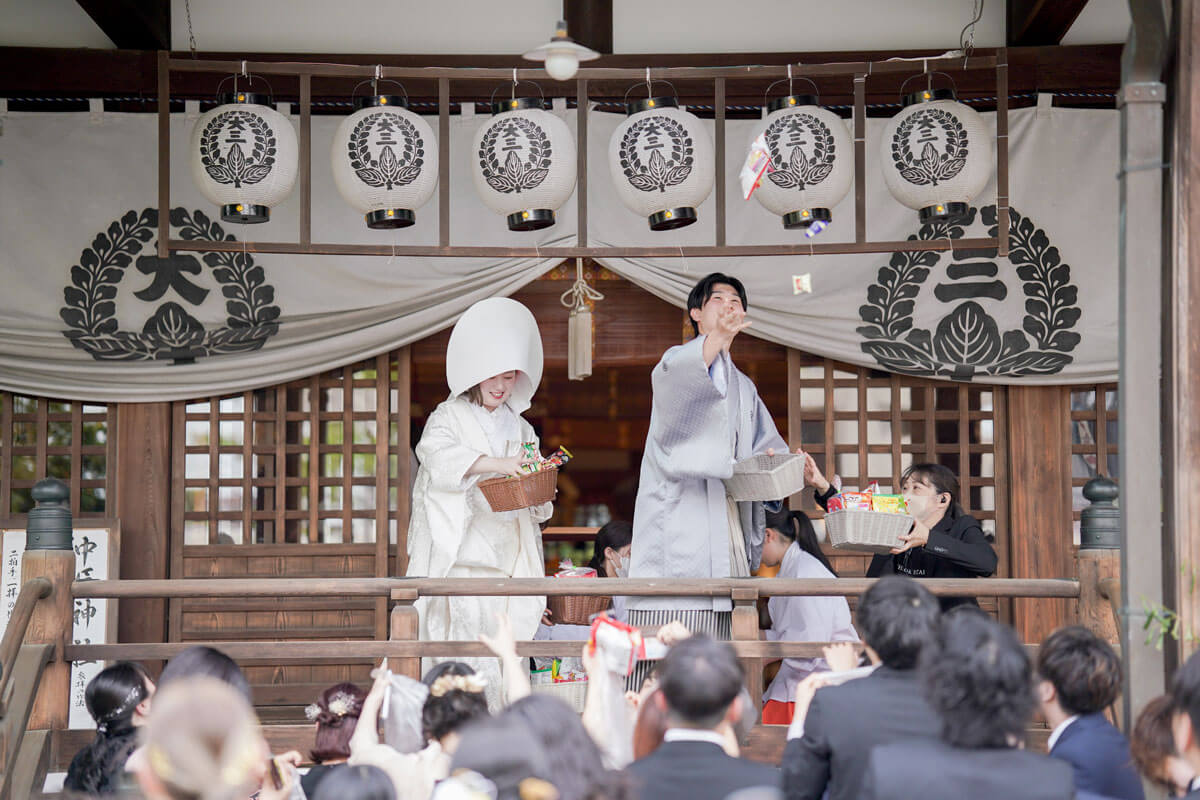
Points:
point(705, 416)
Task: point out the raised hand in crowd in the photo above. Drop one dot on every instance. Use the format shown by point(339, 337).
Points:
point(503, 645)
point(841, 657)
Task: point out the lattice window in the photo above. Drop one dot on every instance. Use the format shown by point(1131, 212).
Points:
point(315, 460)
point(1093, 440)
point(868, 426)
point(42, 438)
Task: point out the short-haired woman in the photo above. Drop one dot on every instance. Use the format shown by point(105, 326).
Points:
point(944, 542)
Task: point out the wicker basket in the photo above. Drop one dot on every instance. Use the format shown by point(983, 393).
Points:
point(870, 531)
point(576, 609)
point(524, 491)
point(573, 693)
point(766, 477)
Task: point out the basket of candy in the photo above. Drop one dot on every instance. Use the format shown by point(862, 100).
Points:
point(563, 678)
point(576, 609)
point(866, 521)
point(764, 477)
point(536, 485)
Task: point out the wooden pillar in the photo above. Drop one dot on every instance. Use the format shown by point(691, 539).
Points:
point(590, 22)
point(1181, 359)
point(51, 624)
point(745, 629)
point(1040, 522)
point(405, 627)
point(143, 505)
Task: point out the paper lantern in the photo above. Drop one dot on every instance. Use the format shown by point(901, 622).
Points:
point(526, 163)
point(811, 158)
point(661, 159)
point(385, 161)
point(936, 155)
point(244, 157)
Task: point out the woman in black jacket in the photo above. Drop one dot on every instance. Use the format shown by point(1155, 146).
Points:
point(945, 541)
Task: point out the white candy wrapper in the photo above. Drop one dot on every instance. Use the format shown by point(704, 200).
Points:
point(758, 162)
point(401, 711)
point(621, 646)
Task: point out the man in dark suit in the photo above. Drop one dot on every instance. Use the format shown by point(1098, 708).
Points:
point(1185, 720)
point(1079, 676)
point(979, 682)
point(897, 618)
point(699, 682)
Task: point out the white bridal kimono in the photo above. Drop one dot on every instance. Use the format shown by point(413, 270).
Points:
point(453, 532)
point(701, 422)
point(804, 619)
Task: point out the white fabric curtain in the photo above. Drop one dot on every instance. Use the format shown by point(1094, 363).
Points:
point(72, 184)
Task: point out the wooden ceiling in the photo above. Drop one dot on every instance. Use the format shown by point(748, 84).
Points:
point(1083, 75)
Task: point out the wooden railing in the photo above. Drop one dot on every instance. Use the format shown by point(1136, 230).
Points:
point(23, 755)
point(405, 651)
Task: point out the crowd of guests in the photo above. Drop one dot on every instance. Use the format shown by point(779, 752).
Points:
point(942, 712)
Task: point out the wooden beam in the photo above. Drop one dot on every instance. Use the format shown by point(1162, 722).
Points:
point(132, 24)
point(692, 251)
point(1033, 23)
point(520, 587)
point(590, 23)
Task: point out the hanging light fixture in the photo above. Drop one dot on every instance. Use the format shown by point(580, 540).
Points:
point(936, 154)
point(244, 156)
point(812, 160)
point(561, 54)
point(385, 161)
point(661, 160)
point(525, 166)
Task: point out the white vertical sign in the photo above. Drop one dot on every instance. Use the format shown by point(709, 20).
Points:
point(91, 547)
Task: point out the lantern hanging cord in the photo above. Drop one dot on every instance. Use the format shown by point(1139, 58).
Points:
point(187, 7)
point(576, 298)
point(966, 39)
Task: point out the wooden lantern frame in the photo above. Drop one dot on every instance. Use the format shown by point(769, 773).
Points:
point(859, 71)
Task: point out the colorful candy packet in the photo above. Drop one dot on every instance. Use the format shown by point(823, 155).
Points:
point(888, 503)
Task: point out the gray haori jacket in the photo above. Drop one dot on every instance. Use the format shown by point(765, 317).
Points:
point(701, 422)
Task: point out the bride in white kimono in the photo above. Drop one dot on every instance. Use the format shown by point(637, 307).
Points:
point(493, 366)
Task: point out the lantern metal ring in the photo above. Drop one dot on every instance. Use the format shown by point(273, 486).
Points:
point(246, 97)
point(929, 93)
point(375, 87)
point(514, 102)
point(816, 93)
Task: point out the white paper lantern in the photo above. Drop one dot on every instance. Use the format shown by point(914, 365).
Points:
point(385, 161)
point(244, 157)
point(936, 155)
point(812, 161)
point(525, 163)
point(661, 159)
